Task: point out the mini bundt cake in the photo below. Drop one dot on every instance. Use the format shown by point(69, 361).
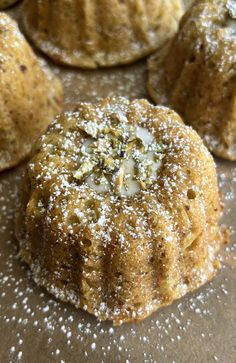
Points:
point(195, 74)
point(30, 96)
point(93, 33)
point(120, 209)
point(5, 3)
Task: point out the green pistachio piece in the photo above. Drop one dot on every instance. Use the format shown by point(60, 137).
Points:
point(119, 179)
point(142, 184)
point(109, 146)
point(118, 118)
point(231, 7)
point(90, 128)
point(84, 169)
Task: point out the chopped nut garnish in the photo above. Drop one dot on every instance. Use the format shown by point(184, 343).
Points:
point(231, 6)
point(107, 152)
point(119, 179)
point(142, 184)
point(86, 168)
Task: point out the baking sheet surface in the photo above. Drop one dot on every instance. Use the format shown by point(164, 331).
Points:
point(35, 327)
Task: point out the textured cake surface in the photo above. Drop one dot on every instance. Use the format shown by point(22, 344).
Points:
point(195, 74)
point(95, 33)
point(119, 256)
point(30, 95)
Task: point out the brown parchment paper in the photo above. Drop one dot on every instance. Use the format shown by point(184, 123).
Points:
point(35, 327)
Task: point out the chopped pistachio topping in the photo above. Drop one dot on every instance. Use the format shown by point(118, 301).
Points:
point(85, 169)
point(231, 6)
point(118, 154)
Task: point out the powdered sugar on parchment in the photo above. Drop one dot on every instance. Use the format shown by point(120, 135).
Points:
point(35, 316)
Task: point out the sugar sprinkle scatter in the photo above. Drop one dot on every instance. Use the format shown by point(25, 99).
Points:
point(28, 314)
point(31, 319)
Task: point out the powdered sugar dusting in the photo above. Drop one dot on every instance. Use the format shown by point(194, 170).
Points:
point(31, 319)
point(33, 314)
point(111, 251)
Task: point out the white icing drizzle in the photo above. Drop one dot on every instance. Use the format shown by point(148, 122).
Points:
point(121, 158)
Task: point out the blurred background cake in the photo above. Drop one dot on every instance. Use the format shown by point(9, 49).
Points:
point(94, 33)
point(30, 96)
point(5, 3)
point(195, 74)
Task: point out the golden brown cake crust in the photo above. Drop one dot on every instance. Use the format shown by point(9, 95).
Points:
point(31, 96)
point(102, 33)
point(195, 74)
point(120, 258)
